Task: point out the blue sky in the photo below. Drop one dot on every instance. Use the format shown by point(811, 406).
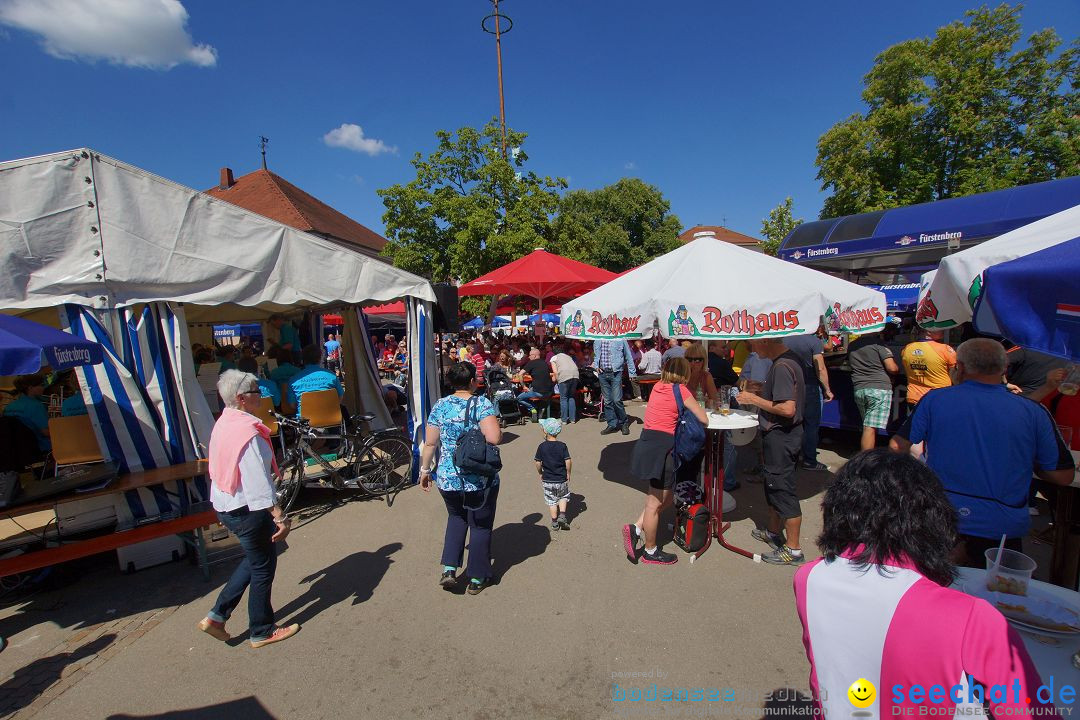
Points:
point(719, 104)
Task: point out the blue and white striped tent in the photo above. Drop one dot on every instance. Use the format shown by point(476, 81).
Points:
point(174, 256)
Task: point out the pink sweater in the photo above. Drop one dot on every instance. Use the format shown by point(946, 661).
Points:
point(900, 630)
point(231, 434)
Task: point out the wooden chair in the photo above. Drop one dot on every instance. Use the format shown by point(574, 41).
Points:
point(73, 441)
point(266, 414)
point(322, 408)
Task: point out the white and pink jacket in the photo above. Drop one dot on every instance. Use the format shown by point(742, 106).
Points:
point(892, 626)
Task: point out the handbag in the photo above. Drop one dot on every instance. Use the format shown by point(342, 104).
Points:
point(689, 432)
point(474, 455)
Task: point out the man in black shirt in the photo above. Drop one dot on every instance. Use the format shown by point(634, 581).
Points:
point(719, 364)
point(1027, 369)
point(780, 415)
point(542, 384)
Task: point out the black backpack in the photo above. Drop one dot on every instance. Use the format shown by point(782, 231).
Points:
point(692, 527)
point(474, 455)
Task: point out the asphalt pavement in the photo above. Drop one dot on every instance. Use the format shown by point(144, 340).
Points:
point(570, 625)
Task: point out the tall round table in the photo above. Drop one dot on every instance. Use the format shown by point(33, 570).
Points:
point(714, 477)
point(1053, 658)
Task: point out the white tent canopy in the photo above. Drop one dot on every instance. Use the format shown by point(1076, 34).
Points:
point(81, 228)
point(947, 297)
point(712, 289)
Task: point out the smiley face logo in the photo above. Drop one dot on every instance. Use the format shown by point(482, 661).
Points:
point(862, 693)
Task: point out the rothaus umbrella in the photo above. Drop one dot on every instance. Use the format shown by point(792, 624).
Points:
point(26, 346)
point(711, 289)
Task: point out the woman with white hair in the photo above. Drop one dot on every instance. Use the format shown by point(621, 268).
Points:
point(242, 469)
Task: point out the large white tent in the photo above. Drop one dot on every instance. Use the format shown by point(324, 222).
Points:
point(129, 259)
point(711, 289)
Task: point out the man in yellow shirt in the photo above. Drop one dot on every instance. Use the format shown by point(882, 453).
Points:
point(927, 363)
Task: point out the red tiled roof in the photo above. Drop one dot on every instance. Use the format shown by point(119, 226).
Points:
point(269, 195)
point(720, 232)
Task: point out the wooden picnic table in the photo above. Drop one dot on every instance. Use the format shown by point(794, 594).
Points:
point(189, 527)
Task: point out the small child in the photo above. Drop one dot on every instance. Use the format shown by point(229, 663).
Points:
point(553, 464)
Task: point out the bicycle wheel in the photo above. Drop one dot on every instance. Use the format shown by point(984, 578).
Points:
point(287, 488)
point(384, 464)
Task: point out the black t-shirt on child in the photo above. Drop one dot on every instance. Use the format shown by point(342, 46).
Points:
point(552, 456)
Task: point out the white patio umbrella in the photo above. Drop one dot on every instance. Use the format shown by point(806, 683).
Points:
point(710, 289)
point(948, 296)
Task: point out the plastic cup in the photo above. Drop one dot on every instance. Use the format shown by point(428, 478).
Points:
point(1012, 575)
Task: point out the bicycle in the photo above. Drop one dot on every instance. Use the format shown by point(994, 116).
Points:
point(378, 463)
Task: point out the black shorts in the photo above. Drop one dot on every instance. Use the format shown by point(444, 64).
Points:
point(781, 450)
point(650, 459)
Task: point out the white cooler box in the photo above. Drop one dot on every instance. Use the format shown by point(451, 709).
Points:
point(150, 553)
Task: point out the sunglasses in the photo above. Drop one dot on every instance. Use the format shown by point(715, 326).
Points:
point(696, 359)
point(252, 392)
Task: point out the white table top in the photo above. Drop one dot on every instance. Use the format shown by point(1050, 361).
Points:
point(736, 420)
point(1055, 660)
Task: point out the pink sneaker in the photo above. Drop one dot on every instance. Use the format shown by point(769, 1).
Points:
point(279, 634)
point(214, 629)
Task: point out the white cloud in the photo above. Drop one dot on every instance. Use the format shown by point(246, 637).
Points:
point(135, 33)
point(351, 137)
point(630, 166)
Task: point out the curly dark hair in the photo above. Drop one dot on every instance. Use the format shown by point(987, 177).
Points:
point(894, 507)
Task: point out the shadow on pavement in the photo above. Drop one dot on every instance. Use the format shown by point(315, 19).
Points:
point(26, 683)
point(243, 709)
point(355, 576)
point(614, 465)
point(576, 506)
point(750, 498)
point(514, 543)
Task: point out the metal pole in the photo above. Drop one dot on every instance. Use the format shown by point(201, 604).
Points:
point(498, 56)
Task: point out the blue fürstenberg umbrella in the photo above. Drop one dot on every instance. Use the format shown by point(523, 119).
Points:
point(26, 346)
point(1034, 300)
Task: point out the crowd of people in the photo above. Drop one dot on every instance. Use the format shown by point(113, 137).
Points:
point(956, 476)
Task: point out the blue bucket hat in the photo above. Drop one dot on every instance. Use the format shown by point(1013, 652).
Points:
point(552, 426)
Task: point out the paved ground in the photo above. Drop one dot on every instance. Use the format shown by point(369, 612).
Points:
point(570, 617)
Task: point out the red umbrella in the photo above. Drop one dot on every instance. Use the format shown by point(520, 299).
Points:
point(394, 308)
point(539, 275)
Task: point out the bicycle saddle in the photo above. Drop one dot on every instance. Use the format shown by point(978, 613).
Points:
point(363, 417)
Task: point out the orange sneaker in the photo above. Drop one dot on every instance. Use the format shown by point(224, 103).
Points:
point(214, 629)
point(279, 634)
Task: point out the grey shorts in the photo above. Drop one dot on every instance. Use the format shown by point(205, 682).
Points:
point(554, 492)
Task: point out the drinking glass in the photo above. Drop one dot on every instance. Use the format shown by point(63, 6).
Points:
point(725, 400)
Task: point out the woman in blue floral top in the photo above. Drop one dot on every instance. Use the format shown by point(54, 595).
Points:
point(470, 499)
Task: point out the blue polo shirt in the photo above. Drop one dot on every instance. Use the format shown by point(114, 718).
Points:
point(270, 389)
point(311, 379)
point(984, 443)
point(73, 405)
point(32, 413)
point(289, 336)
point(284, 372)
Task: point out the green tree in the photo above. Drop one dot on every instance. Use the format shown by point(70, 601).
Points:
point(777, 226)
point(469, 210)
point(959, 113)
point(616, 227)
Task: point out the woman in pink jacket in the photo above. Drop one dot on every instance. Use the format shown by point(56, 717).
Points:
point(877, 606)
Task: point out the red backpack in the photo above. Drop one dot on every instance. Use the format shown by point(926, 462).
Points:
point(692, 527)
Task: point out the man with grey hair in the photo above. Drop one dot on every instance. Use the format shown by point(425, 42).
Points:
point(983, 442)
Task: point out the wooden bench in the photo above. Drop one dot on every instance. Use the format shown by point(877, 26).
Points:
point(646, 385)
point(188, 527)
point(182, 526)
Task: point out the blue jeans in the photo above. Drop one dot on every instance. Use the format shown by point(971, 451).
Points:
point(524, 398)
point(811, 423)
point(567, 402)
point(477, 524)
point(255, 573)
point(611, 386)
